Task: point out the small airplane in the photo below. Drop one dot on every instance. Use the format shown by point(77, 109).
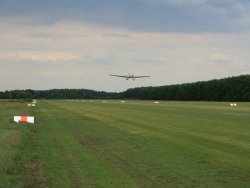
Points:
point(128, 76)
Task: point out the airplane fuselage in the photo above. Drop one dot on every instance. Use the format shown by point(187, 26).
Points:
point(130, 76)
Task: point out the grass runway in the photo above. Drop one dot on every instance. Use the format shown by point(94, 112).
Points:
point(83, 143)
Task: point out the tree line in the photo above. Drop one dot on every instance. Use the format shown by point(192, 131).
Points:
point(57, 94)
point(227, 89)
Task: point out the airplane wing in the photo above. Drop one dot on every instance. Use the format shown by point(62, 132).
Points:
point(140, 76)
point(117, 75)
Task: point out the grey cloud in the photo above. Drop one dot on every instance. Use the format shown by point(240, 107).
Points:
point(147, 15)
point(40, 35)
point(72, 44)
point(116, 35)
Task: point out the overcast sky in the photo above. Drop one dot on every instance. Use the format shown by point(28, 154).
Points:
point(47, 44)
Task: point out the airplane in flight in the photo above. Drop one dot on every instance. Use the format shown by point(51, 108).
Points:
point(128, 76)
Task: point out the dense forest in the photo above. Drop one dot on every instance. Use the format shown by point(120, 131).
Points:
point(227, 89)
point(57, 94)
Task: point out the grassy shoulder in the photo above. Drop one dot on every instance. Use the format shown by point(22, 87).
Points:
point(17, 146)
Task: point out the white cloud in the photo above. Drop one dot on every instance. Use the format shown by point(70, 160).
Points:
point(221, 58)
point(32, 56)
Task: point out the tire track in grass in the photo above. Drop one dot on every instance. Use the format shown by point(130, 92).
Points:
point(33, 169)
point(130, 160)
point(154, 127)
point(223, 151)
point(66, 162)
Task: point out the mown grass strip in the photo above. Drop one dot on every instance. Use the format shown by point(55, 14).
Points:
point(181, 153)
point(135, 144)
point(66, 158)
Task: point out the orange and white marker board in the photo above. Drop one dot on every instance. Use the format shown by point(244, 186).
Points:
point(24, 119)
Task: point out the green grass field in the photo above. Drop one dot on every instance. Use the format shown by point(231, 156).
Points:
point(133, 144)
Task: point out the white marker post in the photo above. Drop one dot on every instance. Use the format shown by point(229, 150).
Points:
point(24, 119)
